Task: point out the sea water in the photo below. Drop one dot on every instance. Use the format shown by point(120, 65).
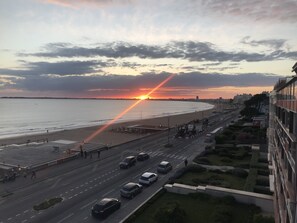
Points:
point(32, 116)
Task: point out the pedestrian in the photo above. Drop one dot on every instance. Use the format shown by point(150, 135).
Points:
point(86, 154)
point(186, 162)
point(33, 176)
point(98, 152)
point(81, 151)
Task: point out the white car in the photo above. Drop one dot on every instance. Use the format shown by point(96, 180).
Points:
point(148, 178)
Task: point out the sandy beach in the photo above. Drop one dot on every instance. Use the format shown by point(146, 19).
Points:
point(109, 137)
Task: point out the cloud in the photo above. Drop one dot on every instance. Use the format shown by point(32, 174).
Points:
point(188, 50)
point(89, 3)
point(58, 68)
point(259, 10)
point(274, 44)
point(108, 83)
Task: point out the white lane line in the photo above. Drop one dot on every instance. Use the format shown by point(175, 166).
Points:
point(108, 192)
point(33, 216)
point(94, 168)
point(24, 221)
point(9, 219)
point(72, 190)
point(55, 184)
point(136, 176)
point(86, 205)
point(85, 218)
point(18, 215)
point(68, 216)
point(26, 211)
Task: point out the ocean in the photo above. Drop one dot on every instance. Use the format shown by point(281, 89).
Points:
point(33, 116)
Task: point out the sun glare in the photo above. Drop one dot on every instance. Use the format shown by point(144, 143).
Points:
point(142, 97)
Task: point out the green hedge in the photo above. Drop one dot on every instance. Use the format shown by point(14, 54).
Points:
point(48, 203)
point(251, 180)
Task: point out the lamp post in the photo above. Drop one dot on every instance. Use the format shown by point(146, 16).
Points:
point(168, 136)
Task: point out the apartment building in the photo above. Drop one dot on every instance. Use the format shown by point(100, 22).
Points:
point(282, 138)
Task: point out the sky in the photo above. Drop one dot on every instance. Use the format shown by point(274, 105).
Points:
point(124, 48)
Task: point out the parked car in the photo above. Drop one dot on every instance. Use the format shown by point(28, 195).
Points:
point(105, 207)
point(164, 167)
point(128, 162)
point(130, 190)
point(142, 156)
point(148, 178)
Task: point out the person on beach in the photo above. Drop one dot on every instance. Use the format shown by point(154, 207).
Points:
point(98, 153)
point(186, 162)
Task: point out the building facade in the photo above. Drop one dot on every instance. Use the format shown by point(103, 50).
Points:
point(282, 138)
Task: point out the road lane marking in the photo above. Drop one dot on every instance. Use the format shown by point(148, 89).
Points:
point(55, 184)
point(108, 192)
point(33, 216)
point(24, 221)
point(94, 168)
point(9, 219)
point(86, 218)
point(68, 216)
point(86, 205)
point(18, 215)
point(26, 211)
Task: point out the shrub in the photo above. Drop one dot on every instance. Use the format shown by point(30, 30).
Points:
point(263, 160)
point(263, 172)
point(202, 160)
point(239, 172)
point(171, 213)
point(226, 160)
point(220, 139)
point(263, 181)
point(222, 214)
point(262, 190)
point(251, 180)
point(262, 219)
point(48, 203)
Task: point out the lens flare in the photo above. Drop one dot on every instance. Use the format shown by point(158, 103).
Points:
point(102, 128)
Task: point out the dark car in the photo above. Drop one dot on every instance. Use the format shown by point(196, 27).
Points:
point(142, 156)
point(128, 162)
point(130, 190)
point(164, 167)
point(105, 207)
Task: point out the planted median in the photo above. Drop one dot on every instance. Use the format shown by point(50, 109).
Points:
point(47, 203)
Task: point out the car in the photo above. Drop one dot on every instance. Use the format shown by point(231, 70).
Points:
point(130, 190)
point(105, 207)
point(128, 162)
point(142, 156)
point(148, 178)
point(164, 167)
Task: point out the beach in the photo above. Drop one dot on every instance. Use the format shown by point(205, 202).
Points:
point(108, 136)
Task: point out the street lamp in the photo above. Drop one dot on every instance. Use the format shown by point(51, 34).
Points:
point(168, 129)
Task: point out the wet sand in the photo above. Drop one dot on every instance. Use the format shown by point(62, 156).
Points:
point(109, 137)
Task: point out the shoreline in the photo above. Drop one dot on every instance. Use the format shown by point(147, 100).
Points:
point(108, 137)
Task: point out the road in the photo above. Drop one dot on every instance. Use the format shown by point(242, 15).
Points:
point(83, 184)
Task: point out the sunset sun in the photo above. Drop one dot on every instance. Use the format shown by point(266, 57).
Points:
point(142, 97)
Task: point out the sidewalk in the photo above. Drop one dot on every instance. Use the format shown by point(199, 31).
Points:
point(9, 187)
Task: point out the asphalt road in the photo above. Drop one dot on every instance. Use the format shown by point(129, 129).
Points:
point(82, 182)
